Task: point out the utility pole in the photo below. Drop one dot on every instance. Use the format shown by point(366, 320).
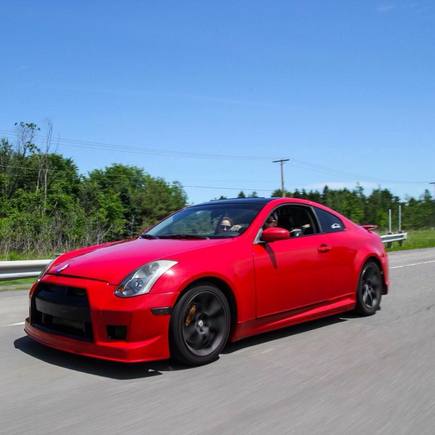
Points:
point(400, 218)
point(390, 226)
point(281, 162)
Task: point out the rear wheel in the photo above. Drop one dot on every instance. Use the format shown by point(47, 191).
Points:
point(200, 325)
point(369, 291)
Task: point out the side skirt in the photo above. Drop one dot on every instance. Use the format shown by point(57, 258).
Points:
point(292, 317)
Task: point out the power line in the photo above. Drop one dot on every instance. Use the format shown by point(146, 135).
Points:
point(55, 174)
point(81, 143)
point(326, 170)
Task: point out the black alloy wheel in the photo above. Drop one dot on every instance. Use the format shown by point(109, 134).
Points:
point(200, 325)
point(369, 292)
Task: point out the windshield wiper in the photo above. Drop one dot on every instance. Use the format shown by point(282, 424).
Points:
point(183, 236)
point(148, 236)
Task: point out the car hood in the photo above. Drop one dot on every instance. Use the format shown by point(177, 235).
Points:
point(112, 263)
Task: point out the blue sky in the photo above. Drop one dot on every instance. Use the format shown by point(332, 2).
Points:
point(208, 93)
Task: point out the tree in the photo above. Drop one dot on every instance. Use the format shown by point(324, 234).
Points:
point(416, 213)
point(142, 198)
point(47, 207)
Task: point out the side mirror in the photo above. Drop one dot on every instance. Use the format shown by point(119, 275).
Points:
point(274, 233)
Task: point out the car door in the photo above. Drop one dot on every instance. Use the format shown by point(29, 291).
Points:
point(339, 252)
point(287, 273)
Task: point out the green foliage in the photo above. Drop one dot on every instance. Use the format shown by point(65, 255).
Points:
point(203, 222)
point(361, 208)
point(416, 239)
point(242, 194)
point(47, 207)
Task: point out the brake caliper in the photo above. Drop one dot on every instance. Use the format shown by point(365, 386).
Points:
point(190, 315)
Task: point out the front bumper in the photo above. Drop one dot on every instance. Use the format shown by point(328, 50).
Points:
point(146, 336)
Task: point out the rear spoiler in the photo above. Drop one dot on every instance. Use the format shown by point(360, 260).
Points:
point(369, 227)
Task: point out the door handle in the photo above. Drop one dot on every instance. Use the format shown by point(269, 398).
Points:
point(324, 248)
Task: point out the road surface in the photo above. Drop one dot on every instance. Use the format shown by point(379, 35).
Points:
point(345, 375)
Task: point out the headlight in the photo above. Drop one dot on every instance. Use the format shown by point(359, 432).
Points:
point(141, 281)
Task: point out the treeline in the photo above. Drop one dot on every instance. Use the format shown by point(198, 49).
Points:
point(372, 208)
point(46, 206)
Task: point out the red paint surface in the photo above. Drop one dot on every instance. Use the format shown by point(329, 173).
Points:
point(274, 285)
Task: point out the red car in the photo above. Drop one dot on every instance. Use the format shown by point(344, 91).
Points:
point(208, 274)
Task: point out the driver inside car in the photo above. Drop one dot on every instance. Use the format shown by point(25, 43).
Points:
point(226, 225)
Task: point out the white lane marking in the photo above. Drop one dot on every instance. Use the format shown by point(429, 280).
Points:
point(413, 264)
point(16, 324)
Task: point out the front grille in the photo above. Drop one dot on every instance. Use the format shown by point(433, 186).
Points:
point(62, 310)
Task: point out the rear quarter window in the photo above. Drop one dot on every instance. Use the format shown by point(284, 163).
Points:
point(329, 223)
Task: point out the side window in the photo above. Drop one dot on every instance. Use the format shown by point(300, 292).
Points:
point(329, 222)
point(298, 220)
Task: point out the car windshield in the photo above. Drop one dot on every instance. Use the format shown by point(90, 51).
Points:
point(206, 221)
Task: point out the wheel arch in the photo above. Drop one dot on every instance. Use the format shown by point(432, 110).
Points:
point(376, 260)
point(221, 285)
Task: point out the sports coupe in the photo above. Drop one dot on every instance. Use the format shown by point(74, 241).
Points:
point(206, 275)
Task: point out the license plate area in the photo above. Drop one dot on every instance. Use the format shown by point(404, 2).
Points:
point(62, 310)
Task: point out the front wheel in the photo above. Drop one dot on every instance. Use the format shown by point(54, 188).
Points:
point(200, 325)
point(369, 292)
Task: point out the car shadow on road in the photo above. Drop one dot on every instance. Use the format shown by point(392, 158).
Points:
point(285, 332)
point(125, 371)
point(93, 366)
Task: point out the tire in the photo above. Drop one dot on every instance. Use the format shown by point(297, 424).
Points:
point(369, 292)
point(200, 325)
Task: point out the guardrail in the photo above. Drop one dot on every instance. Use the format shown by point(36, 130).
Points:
point(32, 268)
point(21, 269)
point(388, 239)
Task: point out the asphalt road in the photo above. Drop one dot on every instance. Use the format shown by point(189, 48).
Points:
point(344, 374)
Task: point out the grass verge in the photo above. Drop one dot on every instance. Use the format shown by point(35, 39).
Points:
point(16, 284)
point(416, 240)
